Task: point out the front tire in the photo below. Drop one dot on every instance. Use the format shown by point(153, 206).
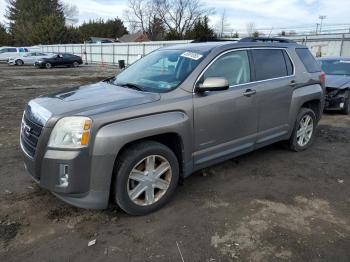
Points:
point(19, 62)
point(75, 64)
point(346, 109)
point(304, 130)
point(48, 65)
point(145, 178)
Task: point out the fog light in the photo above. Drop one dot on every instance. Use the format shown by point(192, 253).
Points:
point(341, 105)
point(63, 176)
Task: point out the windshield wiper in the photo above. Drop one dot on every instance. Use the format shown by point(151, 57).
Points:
point(131, 86)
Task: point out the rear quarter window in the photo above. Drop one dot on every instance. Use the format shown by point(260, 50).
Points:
point(309, 61)
point(270, 63)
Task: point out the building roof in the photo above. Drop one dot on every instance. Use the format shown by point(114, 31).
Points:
point(136, 37)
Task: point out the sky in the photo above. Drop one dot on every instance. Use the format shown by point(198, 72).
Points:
point(265, 14)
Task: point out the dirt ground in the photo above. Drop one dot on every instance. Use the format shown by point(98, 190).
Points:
point(269, 205)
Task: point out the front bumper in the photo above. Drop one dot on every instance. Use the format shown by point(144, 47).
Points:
point(336, 99)
point(11, 62)
point(47, 169)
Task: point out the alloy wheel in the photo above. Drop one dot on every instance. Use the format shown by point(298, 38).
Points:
point(305, 130)
point(149, 180)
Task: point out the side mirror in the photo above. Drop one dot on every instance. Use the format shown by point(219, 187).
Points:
point(213, 84)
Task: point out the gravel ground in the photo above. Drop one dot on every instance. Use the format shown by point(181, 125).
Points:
point(269, 205)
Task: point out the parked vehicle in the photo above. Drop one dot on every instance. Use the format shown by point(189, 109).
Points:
point(59, 60)
point(179, 109)
point(337, 70)
point(7, 52)
point(28, 58)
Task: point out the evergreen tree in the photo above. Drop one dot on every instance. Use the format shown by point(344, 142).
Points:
point(5, 38)
point(25, 15)
point(201, 30)
point(100, 28)
point(51, 30)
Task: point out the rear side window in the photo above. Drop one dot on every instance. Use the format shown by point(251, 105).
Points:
point(308, 60)
point(270, 63)
point(11, 50)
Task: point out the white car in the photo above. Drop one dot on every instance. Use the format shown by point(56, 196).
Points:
point(6, 52)
point(27, 59)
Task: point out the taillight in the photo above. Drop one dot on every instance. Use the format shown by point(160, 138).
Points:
point(323, 78)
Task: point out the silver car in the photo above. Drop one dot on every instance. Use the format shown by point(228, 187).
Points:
point(27, 59)
point(131, 138)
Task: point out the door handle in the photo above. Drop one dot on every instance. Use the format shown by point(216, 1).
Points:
point(249, 92)
point(292, 83)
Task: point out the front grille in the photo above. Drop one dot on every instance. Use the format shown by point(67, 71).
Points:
point(30, 133)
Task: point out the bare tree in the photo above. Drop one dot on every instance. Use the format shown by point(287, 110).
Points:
point(139, 15)
point(179, 16)
point(251, 28)
point(71, 13)
point(223, 24)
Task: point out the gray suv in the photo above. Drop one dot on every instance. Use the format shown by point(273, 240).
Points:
point(131, 138)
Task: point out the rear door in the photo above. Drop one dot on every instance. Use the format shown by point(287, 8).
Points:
point(275, 81)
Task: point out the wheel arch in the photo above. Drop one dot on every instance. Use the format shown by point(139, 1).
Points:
point(173, 129)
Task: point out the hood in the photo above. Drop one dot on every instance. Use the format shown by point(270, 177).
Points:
point(89, 99)
point(337, 81)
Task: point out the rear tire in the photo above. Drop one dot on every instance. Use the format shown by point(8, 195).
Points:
point(304, 130)
point(75, 64)
point(145, 177)
point(48, 65)
point(19, 62)
point(346, 109)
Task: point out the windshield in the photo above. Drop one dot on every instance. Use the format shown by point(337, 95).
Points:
point(160, 71)
point(336, 67)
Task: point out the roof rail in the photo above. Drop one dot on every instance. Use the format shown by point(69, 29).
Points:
point(214, 39)
point(266, 39)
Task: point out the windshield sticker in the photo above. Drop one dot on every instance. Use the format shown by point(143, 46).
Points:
point(192, 55)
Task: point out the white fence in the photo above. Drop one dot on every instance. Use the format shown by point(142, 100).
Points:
point(109, 53)
point(326, 45)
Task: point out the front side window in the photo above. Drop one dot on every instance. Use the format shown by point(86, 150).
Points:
point(269, 63)
point(234, 66)
point(160, 71)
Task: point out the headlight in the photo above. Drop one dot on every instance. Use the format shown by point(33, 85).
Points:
point(71, 132)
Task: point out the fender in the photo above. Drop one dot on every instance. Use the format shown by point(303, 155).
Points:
point(111, 138)
point(302, 95)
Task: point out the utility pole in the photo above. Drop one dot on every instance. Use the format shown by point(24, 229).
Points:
point(321, 17)
point(317, 24)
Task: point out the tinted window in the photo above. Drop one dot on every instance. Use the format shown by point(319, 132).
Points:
point(289, 63)
point(269, 64)
point(233, 66)
point(308, 60)
point(11, 50)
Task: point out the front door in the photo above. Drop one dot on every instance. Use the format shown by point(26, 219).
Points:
point(225, 122)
